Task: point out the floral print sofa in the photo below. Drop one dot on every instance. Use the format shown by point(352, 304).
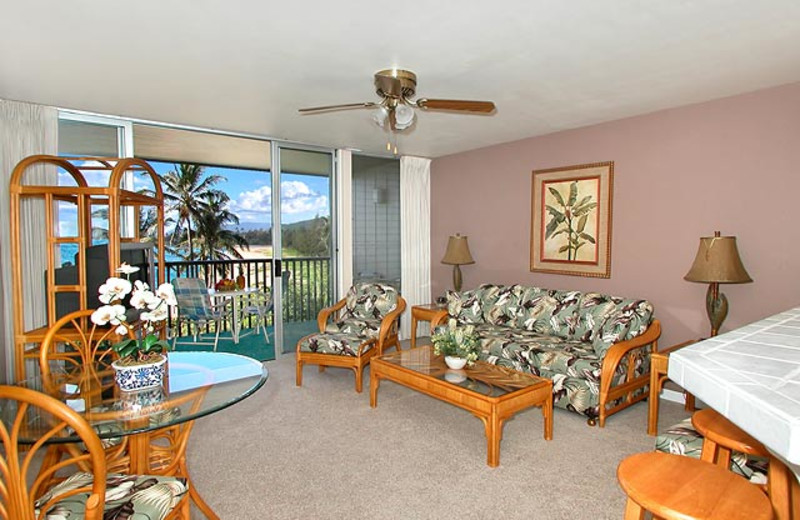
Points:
point(596, 348)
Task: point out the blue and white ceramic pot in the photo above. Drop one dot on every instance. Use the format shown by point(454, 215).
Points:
point(138, 377)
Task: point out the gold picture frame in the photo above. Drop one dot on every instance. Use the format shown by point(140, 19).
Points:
point(571, 209)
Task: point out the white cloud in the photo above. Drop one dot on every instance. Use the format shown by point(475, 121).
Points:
point(296, 198)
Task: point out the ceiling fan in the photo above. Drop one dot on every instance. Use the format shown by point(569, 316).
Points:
point(397, 87)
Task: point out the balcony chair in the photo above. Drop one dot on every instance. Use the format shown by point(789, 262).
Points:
point(82, 494)
point(196, 309)
point(259, 304)
point(352, 331)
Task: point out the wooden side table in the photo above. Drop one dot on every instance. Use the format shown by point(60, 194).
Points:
point(659, 361)
point(425, 312)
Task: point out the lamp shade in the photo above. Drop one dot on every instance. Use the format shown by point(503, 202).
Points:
point(718, 261)
point(457, 251)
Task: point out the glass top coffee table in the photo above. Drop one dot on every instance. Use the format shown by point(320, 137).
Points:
point(490, 392)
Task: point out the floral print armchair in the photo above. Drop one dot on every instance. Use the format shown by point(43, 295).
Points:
point(361, 325)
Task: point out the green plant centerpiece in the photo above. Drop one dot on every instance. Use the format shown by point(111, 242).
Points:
point(141, 360)
point(458, 344)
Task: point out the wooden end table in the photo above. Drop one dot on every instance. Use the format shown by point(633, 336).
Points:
point(490, 392)
point(659, 361)
point(425, 312)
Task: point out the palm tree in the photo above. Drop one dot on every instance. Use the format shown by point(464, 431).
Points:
point(215, 239)
point(187, 191)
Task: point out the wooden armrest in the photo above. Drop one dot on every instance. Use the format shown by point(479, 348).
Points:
point(324, 314)
point(619, 350)
point(439, 318)
point(389, 321)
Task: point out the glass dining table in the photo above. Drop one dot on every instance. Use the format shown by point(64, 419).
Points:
point(196, 384)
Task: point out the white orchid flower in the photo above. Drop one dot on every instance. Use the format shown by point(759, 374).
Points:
point(166, 292)
point(122, 330)
point(114, 314)
point(125, 268)
point(139, 285)
point(114, 289)
point(158, 314)
point(144, 299)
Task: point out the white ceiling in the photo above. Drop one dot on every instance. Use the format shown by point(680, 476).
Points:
point(248, 65)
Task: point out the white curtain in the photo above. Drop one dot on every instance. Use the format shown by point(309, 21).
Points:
point(415, 236)
point(25, 129)
point(344, 221)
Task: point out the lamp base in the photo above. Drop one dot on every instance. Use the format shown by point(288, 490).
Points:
point(457, 278)
point(716, 307)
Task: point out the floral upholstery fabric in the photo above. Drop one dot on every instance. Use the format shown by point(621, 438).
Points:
point(127, 497)
point(370, 301)
point(562, 335)
point(358, 326)
point(339, 343)
point(683, 439)
point(573, 365)
point(595, 318)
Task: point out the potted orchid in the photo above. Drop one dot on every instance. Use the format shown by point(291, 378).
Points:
point(458, 345)
point(141, 360)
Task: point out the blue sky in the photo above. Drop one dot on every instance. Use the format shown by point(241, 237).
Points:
point(302, 196)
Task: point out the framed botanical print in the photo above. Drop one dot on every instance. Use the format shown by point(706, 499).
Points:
point(571, 210)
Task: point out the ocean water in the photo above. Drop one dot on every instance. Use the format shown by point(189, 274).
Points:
point(68, 252)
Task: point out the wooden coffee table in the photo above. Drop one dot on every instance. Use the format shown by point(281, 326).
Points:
point(490, 392)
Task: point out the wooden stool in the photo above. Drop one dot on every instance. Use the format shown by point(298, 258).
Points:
point(720, 437)
point(675, 487)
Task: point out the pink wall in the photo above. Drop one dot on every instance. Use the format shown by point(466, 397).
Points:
point(731, 165)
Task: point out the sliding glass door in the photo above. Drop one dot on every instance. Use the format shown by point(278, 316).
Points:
point(303, 240)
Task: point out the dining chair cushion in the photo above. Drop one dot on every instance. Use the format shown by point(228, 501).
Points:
point(370, 301)
point(131, 497)
point(339, 343)
point(362, 327)
point(683, 439)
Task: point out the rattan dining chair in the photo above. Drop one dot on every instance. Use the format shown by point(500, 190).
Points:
point(89, 494)
point(75, 363)
point(196, 309)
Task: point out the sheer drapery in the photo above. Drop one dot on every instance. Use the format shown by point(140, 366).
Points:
point(25, 129)
point(415, 235)
point(344, 220)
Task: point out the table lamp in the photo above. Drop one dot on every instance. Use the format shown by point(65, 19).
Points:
point(457, 254)
point(717, 262)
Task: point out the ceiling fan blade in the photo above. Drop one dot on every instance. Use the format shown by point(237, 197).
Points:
point(456, 104)
point(367, 104)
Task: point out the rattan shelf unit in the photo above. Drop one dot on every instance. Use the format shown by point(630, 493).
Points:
point(122, 205)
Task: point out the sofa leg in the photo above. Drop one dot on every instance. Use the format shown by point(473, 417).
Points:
point(591, 421)
point(299, 374)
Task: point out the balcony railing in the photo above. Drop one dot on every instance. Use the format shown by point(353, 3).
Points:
point(306, 291)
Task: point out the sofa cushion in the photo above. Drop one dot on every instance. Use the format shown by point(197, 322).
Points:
point(549, 312)
point(468, 307)
point(683, 439)
point(505, 307)
point(370, 301)
point(534, 352)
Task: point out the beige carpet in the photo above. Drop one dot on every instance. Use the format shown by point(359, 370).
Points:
point(320, 451)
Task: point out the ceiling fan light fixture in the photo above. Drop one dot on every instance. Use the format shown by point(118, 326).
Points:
point(403, 116)
point(381, 116)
